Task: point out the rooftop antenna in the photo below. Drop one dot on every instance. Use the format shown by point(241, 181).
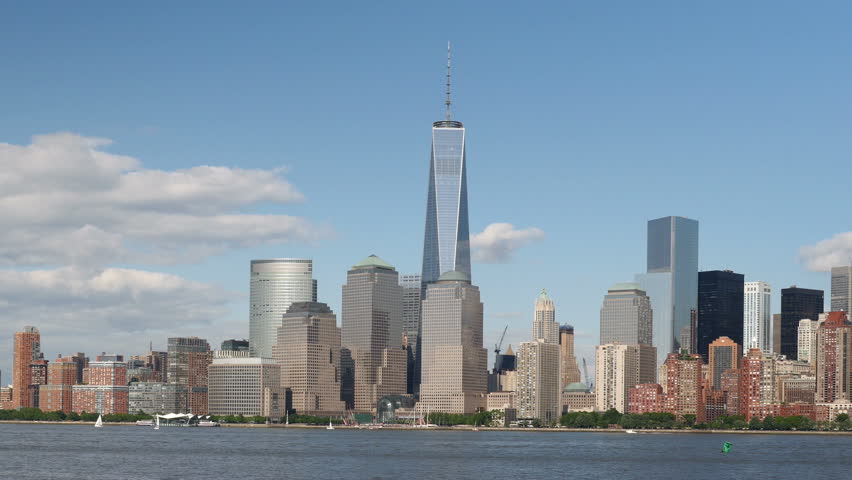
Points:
point(448, 102)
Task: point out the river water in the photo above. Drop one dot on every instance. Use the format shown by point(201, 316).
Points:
point(136, 453)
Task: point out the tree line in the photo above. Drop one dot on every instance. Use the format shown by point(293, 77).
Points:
point(661, 420)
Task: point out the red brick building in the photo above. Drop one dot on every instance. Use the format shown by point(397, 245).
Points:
point(684, 385)
point(56, 395)
point(27, 348)
point(106, 391)
point(834, 359)
point(646, 398)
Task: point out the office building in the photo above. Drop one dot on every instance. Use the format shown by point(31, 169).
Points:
point(274, 285)
point(243, 385)
point(626, 316)
point(411, 292)
point(796, 304)
point(806, 345)
point(671, 281)
point(106, 389)
point(156, 397)
point(618, 368)
point(577, 397)
point(568, 368)
point(27, 348)
point(724, 354)
point(188, 359)
point(720, 307)
point(454, 362)
point(841, 289)
point(545, 327)
point(446, 241)
point(372, 332)
point(756, 317)
point(308, 352)
point(234, 345)
point(834, 359)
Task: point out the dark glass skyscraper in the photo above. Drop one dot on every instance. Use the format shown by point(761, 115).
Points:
point(796, 304)
point(720, 307)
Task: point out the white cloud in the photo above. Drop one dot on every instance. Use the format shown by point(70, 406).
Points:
point(833, 252)
point(111, 309)
point(63, 200)
point(499, 240)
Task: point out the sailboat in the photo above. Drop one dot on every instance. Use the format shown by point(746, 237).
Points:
point(157, 423)
point(330, 426)
point(100, 422)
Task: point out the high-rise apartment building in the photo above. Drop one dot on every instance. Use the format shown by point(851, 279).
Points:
point(411, 297)
point(834, 359)
point(372, 332)
point(841, 289)
point(806, 345)
point(757, 328)
point(776, 333)
point(538, 394)
point(243, 385)
point(683, 388)
point(446, 242)
point(757, 386)
point(626, 316)
point(188, 360)
point(671, 281)
point(796, 304)
point(156, 397)
point(56, 395)
point(274, 285)
point(308, 352)
point(724, 354)
point(720, 307)
point(106, 389)
point(454, 362)
point(618, 368)
point(27, 348)
point(545, 327)
point(568, 369)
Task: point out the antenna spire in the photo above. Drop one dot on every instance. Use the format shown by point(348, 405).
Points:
point(448, 102)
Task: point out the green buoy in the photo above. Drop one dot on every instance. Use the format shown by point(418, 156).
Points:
point(726, 447)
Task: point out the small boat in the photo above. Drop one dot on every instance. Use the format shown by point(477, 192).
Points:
point(330, 426)
point(630, 430)
point(100, 422)
point(144, 423)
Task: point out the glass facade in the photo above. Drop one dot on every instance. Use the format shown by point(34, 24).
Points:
point(797, 304)
point(411, 326)
point(841, 289)
point(275, 284)
point(446, 244)
point(720, 308)
point(671, 281)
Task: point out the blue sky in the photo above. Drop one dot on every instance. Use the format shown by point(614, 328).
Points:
point(583, 120)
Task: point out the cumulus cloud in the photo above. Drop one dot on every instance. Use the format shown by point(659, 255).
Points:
point(498, 241)
point(94, 310)
point(64, 200)
point(832, 252)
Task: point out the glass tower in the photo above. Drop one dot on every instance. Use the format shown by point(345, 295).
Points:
point(720, 308)
point(446, 243)
point(274, 285)
point(672, 281)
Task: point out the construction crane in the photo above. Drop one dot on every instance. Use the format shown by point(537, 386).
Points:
point(497, 347)
point(586, 373)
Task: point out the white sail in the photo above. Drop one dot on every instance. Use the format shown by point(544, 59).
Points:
point(100, 422)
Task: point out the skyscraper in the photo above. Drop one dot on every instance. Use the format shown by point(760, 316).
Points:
point(568, 368)
point(454, 370)
point(756, 317)
point(446, 243)
point(671, 281)
point(618, 368)
point(372, 331)
point(538, 394)
point(841, 289)
point(724, 354)
point(106, 389)
point(411, 327)
point(243, 385)
point(807, 346)
point(544, 323)
point(309, 354)
point(27, 349)
point(275, 284)
point(796, 304)
point(834, 359)
point(626, 316)
point(188, 360)
point(720, 307)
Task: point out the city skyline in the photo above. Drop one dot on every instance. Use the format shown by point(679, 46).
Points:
point(207, 291)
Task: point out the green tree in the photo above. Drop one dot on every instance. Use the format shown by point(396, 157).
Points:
point(755, 424)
